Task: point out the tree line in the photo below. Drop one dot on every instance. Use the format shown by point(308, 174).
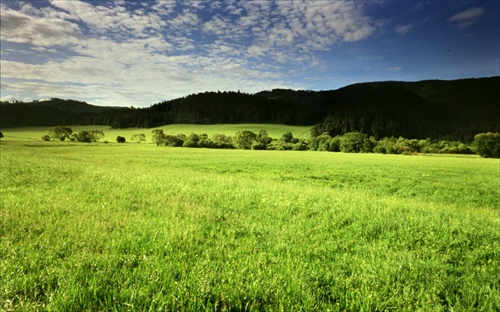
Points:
point(484, 144)
point(441, 110)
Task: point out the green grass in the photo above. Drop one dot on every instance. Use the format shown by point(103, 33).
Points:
point(274, 131)
point(92, 227)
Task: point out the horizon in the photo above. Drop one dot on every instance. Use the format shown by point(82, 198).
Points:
point(117, 53)
point(14, 101)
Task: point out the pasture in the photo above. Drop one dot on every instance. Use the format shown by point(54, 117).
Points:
point(274, 131)
point(95, 227)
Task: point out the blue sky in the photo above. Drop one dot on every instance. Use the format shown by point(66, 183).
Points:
point(137, 53)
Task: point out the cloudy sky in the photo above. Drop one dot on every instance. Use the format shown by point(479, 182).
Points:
point(137, 53)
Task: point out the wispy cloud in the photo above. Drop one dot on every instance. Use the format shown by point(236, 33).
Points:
point(466, 18)
point(403, 29)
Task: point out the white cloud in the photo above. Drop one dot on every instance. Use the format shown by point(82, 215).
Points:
point(40, 31)
point(168, 49)
point(466, 18)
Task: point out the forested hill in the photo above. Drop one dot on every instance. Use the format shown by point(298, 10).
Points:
point(456, 109)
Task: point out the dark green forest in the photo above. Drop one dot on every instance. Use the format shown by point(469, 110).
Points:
point(436, 109)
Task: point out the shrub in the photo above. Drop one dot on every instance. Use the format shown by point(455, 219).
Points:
point(83, 136)
point(190, 143)
point(352, 142)
point(379, 149)
point(244, 139)
point(258, 146)
point(60, 133)
point(120, 139)
point(46, 137)
point(487, 144)
point(207, 143)
point(139, 137)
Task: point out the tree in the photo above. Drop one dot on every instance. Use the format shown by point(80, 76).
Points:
point(352, 142)
point(138, 138)
point(244, 139)
point(1, 135)
point(120, 139)
point(487, 144)
point(158, 137)
point(222, 141)
point(95, 135)
point(83, 136)
point(287, 137)
point(60, 133)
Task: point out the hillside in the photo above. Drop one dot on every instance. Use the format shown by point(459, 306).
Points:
point(456, 109)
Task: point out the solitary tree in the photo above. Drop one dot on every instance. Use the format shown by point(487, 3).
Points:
point(138, 138)
point(158, 137)
point(60, 133)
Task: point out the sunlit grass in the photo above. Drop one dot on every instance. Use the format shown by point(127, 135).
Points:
point(140, 227)
point(274, 131)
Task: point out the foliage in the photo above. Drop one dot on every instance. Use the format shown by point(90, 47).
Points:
point(1, 135)
point(232, 230)
point(60, 133)
point(158, 137)
point(488, 144)
point(138, 138)
point(45, 138)
point(244, 139)
point(120, 139)
point(355, 142)
point(84, 136)
point(441, 110)
point(222, 141)
point(95, 135)
point(88, 136)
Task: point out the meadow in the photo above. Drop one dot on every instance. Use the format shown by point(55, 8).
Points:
point(274, 131)
point(136, 227)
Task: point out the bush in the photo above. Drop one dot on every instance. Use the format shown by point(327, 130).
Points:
point(353, 142)
point(258, 146)
point(487, 144)
point(60, 133)
point(190, 143)
point(120, 139)
point(46, 137)
point(244, 139)
point(207, 143)
point(139, 137)
point(379, 149)
point(83, 136)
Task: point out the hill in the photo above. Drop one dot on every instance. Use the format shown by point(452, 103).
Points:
point(454, 110)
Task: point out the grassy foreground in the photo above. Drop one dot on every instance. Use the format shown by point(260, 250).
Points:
point(139, 227)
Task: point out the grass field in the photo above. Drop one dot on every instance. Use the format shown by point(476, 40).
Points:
point(274, 131)
point(93, 227)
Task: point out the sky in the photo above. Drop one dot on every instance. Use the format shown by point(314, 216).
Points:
point(138, 53)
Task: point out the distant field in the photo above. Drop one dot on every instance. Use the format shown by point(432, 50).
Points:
point(274, 131)
point(135, 227)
